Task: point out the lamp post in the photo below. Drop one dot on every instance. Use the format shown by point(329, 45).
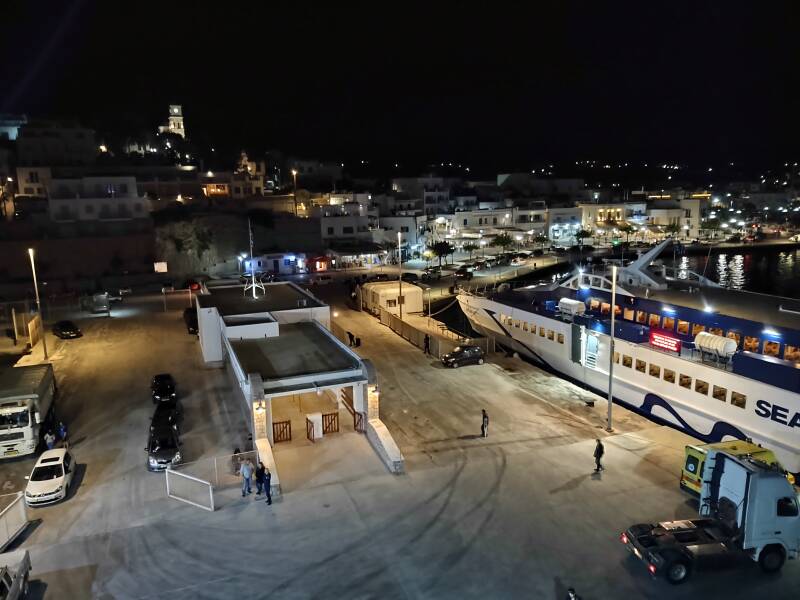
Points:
point(294, 194)
point(611, 351)
point(400, 274)
point(38, 304)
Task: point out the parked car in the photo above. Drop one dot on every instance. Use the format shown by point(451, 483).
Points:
point(15, 568)
point(464, 273)
point(538, 252)
point(125, 291)
point(322, 280)
point(163, 387)
point(168, 413)
point(432, 274)
point(409, 277)
point(190, 318)
point(378, 277)
point(66, 330)
point(463, 355)
point(51, 477)
point(163, 447)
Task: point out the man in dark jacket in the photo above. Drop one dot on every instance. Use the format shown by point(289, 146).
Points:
point(599, 450)
point(260, 478)
point(484, 423)
point(267, 485)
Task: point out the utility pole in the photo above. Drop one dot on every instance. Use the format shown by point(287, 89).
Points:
point(38, 304)
point(611, 349)
point(400, 274)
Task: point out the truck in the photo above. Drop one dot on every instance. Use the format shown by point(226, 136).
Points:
point(15, 568)
point(748, 509)
point(27, 396)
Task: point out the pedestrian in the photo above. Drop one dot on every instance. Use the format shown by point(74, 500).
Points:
point(49, 440)
point(484, 423)
point(62, 431)
point(247, 473)
point(572, 595)
point(260, 477)
point(426, 344)
point(268, 485)
point(351, 339)
point(599, 450)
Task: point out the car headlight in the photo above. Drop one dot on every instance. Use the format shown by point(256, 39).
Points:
point(28, 494)
point(156, 396)
point(153, 462)
point(177, 457)
point(58, 489)
point(173, 394)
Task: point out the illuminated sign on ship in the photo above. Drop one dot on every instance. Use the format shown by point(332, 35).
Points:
point(665, 342)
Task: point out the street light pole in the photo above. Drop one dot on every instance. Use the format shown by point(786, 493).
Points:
point(294, 194)
point(611, 352)
point(400, 274)
point(38, 304)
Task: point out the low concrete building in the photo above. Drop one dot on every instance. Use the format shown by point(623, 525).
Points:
point(386, 295)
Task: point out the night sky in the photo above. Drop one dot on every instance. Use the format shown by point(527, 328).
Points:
point(498, 88)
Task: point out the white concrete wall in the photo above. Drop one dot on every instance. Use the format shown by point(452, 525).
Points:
point(209, 330)
point(321, 314)
point(249, 331)
point(383, 443)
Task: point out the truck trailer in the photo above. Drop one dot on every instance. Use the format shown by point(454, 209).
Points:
point(747, 508)
point(27, 395)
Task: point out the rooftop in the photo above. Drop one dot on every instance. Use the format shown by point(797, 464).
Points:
point(301, 349)
point(231, 300)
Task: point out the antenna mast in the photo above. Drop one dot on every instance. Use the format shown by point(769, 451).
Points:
point(253, 285)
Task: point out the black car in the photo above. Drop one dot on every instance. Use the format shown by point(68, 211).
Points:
point(163, 387)
point(464, 273)
point(190, 318)
point(463, 355)
point(162, 447)
point(432, 274)
point(168, 413)
point(409, 277)
point(66, 330)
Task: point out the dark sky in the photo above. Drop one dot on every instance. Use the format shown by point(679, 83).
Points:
point(501, 86)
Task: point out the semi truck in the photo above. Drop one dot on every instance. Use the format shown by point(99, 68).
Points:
point(747, 508)
point(27, 395)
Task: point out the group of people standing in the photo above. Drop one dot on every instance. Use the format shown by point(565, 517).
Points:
point(263, 479)
point(50, 438)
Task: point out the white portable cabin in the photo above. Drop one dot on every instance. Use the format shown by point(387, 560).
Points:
point(569, 308)
point(384, 294)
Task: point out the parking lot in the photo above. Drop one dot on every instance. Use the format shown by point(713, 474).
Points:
point(518, 514)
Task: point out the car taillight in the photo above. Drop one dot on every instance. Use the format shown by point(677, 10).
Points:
point(652, 569)
point(623, 537)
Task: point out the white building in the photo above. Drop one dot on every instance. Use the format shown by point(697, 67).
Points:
point(563, 223)
point(95, 199)
point(386, 295)
point(280, 263)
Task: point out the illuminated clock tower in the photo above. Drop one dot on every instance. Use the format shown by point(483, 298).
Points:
point(175, 124)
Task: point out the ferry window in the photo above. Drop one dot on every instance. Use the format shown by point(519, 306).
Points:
point(738, 399)
point(701, 387)
point(697, 328)
point(685, 381)
point(641, 316)
point(654, 321)
point(616, 358)
point(734, 336)
point(524, 326)
point(627, 361)
point(669, 375)
point(605, 308)
point(516, 323)
point(787, 507)
point(391, 303)
point(669, 323)
point(640, 365)
point(560, 338)
point(772, 348)
point(628, 314)
point(720, 393)
point(617, 310)
point(550, 334)
point(791, 353)
point(594, 304)
point(655, 370)
point(541, 331)
point(683, 327)
point(715, 331)
point(751, 343)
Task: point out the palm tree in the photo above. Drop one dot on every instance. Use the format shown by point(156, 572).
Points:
point(470, 247)
point(672, 229)
point(540, 239)
point(441, 249)
point(581, 235)
point(627, 229)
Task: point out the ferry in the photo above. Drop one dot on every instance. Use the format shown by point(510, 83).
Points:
point(718, 364)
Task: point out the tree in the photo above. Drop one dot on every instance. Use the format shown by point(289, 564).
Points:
point(581, 235)
point(541, 239)
point(441, 249)
point(672, 229)
point(503, 241)
point(470, 247)
point(710, 225)
point(627, 229)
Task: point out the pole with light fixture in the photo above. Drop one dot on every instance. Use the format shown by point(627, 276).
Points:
point(400, 274)
point(611, 350)
point(294, 194)
point(38, 304)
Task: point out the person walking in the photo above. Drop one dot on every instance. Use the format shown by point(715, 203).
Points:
point(49, 440)
point(260, 477)
point(572, 595)
point(268, 485)
point(426, 344)
point(247, 473)
point(599, 450)
point(484, 423)
point(351, 339)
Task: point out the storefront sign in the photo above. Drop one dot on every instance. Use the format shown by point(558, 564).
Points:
point(665, 342)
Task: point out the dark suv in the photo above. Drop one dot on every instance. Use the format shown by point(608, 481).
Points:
point(163, 387)
point(162, 447)
point(168, 413)
point(463, 355)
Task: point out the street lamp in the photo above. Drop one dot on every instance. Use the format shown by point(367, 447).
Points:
point(400, 273)
point(294, 195)
point(38, 305)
